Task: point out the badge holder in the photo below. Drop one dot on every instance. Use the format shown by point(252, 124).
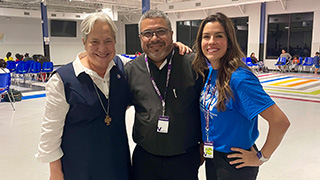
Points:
point(163, 124)
point(208, 150)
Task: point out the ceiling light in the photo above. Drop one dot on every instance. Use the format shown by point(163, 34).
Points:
point(106, 10)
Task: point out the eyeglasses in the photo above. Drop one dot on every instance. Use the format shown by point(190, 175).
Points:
point(159, 32)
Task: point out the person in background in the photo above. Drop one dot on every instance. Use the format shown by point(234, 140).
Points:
point(19, 57)
point(288, 58)
point(295, 61)
point(229, 109)
point(137, 53)
point(254, 60)
point(165, 93)
point(83, 130)
point(27, 57)
point(41, 59)
point(3, 65)
point(8, 57)
point(316, 61)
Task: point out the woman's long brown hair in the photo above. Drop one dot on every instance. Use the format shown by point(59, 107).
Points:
point(228, 63)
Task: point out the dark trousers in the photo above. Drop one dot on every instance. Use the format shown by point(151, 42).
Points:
point(147, 166)
point(219, 168)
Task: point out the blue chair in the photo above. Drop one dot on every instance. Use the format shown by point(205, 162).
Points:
point(29, 62)
point(11, 65)
point(5, 82)
point(299, 65)
point(249, 63)
point(282, 61)
point(22, 69)
point(47, 68)
point(308, 62)
point(35, 68)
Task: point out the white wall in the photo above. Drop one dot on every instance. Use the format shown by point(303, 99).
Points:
point(23, 34)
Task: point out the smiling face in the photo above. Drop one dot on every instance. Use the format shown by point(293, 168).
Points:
point(157, 47)
point(214, 43)
point(100, 47)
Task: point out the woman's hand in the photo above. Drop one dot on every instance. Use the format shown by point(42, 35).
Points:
point(247, 158)
point(57, 176)
point(56, 170)
point(182, 48)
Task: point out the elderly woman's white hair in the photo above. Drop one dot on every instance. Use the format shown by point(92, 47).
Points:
point(88, 23)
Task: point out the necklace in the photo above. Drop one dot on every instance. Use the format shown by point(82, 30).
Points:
point(107, 120)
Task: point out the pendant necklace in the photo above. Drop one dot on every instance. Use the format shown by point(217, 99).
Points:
point(107, 120)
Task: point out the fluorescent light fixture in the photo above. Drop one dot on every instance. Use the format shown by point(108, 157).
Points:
point(106, 10)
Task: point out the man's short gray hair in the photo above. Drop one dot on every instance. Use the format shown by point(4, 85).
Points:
point(88, 23)
point(155, 13)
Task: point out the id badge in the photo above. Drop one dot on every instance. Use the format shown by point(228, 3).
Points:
point(208, 149)
point(163, 124)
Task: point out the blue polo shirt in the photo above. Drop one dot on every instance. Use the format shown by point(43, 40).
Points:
point(237, 126)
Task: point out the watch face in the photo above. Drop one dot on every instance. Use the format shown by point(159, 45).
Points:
point(259, 154)
point(261, 158)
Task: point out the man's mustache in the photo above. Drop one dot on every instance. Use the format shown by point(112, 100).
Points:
point(156, 43)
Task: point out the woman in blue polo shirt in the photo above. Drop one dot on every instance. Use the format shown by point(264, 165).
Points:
point(230, 102)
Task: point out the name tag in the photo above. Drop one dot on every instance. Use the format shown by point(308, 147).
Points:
point(163, 124)
point(208, 149)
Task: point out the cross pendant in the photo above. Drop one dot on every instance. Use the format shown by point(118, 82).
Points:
point(107, 120)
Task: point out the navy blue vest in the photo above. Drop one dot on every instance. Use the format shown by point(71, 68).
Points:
point(93, 150)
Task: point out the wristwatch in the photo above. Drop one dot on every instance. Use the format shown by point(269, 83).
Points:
point(261, 158)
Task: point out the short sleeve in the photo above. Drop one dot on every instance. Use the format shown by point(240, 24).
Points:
point(250, 97)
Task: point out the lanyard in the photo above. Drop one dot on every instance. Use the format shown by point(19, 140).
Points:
point(207, 110)
point(163, 99)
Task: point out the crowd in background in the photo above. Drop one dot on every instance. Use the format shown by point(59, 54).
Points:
point(19, 57)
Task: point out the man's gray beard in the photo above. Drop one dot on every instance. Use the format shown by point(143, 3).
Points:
point(156, 55)
point(164, 53)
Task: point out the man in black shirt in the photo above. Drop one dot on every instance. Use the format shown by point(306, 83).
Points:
point(165, 93)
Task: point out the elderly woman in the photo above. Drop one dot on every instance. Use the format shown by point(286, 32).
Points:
point(83, 130)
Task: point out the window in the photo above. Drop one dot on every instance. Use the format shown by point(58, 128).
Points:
point(187, 31)
point(292, 32)
point(241, 28)
point(132, 39)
